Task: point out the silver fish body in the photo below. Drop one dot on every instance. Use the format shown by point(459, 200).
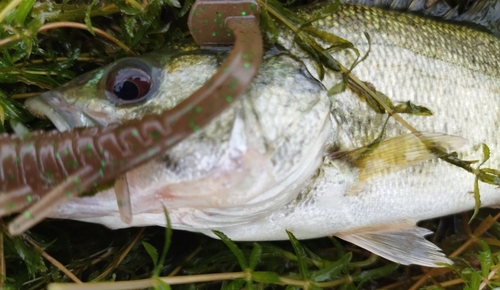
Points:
point(268, 164)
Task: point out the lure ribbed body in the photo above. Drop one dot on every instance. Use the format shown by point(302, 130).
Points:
point(38, 163)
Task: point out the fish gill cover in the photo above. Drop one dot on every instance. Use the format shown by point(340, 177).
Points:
point(47, 43)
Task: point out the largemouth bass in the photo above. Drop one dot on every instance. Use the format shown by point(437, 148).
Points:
point(289, 157)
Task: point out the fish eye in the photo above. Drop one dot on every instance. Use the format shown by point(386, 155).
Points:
point(129, 81)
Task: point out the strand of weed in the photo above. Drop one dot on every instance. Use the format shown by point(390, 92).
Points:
point(122, 256)
point(11, 6)
point(400, 284)
point(188, 258)
point(97, 31)
point(77, 25)
point(53, 261)
point(61, 59)
point(135, 4)
point(9, 39)
point(23, 96)
point(126, 285)
point(481, 229)
point(490, 276)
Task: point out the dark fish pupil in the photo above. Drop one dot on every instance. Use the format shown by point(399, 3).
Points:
point(126, 90)
point(128, 85)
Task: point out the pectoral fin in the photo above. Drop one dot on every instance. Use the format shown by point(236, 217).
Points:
point(404, 246)
point(398, 153)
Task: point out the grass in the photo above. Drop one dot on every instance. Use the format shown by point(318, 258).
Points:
point(94, 253)
point(45, 44)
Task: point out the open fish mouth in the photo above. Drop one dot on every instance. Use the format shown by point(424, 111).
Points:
point(63, 115)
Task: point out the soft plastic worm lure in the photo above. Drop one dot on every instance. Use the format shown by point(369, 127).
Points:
point(47, 169)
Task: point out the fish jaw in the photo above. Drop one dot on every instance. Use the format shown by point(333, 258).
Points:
point(63, 115)
point(67, 107)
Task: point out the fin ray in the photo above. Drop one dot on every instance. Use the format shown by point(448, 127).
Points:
point(398, 153)
point(403, 246)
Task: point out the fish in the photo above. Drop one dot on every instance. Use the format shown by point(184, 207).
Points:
point(288, 156)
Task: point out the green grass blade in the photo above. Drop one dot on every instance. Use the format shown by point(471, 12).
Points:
point(332, 270)
point(301, 256)
point(234, 249)
point(153, 253)
point(255, 256)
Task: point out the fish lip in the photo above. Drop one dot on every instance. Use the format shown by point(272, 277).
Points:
point(63, 115)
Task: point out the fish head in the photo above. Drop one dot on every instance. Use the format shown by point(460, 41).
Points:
point(129, 88)
point(251, 160)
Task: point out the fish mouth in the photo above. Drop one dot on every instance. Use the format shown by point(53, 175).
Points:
point(63, 115)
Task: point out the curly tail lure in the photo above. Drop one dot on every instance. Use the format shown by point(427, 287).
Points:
point(43, 171)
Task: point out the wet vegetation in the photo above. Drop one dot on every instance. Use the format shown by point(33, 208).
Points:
point(44, 44)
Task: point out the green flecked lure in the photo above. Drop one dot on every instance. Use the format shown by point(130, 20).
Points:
point(43, 171)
